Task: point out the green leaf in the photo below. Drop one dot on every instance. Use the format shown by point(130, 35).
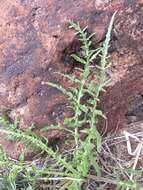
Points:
point(78, 59)
point(89, 37)
point(22, 156)
point(100, 113)
point(75, 186)
point(59, 87)
point(3, 156)
point(94, 56)
point(95, 165)
point(83, 108)
point(96, 135)
point(45, 129)
point(74, 91)
point(84, 30)
point(71, 78)
point(4, 120)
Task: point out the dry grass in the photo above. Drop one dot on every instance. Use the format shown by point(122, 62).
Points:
point(120, 158)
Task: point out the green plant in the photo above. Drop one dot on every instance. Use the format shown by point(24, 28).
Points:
point(132, 185)
point(72, 172)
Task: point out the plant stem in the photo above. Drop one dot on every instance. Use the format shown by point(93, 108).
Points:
point(81, 88)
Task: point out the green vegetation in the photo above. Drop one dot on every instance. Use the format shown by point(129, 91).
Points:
point(56, 170)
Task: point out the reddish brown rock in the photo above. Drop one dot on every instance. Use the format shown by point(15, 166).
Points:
point(35, 41)
point(124, 96)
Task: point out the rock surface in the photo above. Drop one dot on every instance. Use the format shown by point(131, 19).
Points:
point(35, 42)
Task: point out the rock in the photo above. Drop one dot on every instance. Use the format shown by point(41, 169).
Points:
point(124, 93)
point(35, 41)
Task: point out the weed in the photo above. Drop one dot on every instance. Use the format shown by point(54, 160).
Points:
point(70, 173)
